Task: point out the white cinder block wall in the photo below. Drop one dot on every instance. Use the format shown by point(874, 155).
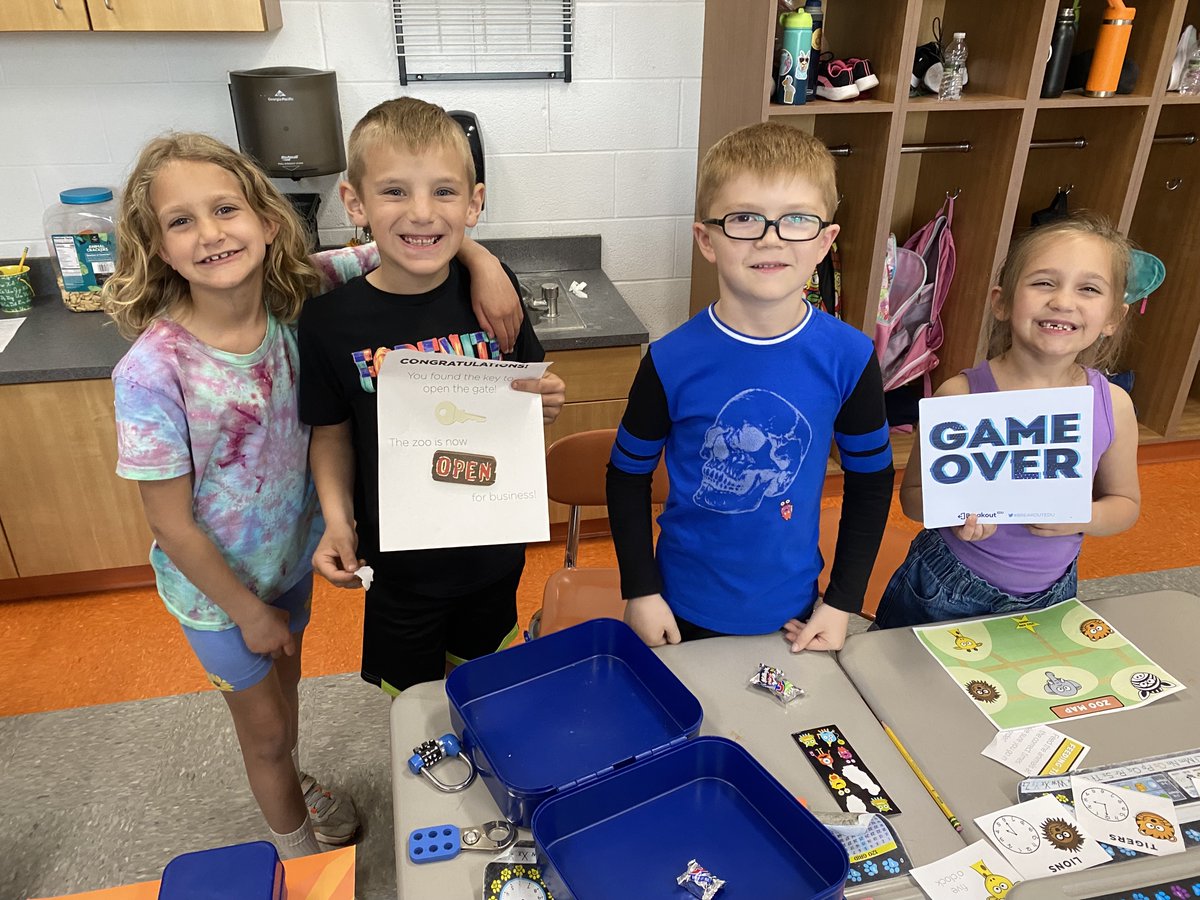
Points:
point(613, 153)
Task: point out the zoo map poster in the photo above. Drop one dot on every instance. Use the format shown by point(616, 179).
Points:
point(1061, 662)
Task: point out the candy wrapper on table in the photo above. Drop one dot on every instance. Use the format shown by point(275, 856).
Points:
point(774, 682)
point(699, 882)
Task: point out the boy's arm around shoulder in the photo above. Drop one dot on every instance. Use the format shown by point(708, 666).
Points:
point(331, 457)
point(494, 298)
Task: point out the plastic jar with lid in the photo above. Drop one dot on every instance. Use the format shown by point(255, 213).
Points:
point(82, 236)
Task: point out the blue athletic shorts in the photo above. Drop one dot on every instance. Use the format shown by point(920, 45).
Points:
point(228, 662)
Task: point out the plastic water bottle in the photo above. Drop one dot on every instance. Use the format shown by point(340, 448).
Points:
point(813, 8)
point(953, 63)
point(793, 71)
point(1190, 82)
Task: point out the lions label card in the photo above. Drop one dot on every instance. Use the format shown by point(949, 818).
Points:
point(976, 872)
point(1042, 837)
point(1009, 457)
point(461, 455)
point(1120, 817)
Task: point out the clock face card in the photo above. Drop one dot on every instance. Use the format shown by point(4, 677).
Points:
point(843, 772)
point(1041, 837)
point(1124, 818)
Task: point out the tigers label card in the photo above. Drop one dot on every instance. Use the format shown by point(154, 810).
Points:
point(1120, 817)
point(839, 767)
point(1041, 838)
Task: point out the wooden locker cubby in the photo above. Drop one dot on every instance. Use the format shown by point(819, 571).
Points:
point(1004, 177)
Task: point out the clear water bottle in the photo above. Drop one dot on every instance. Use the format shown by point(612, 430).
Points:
point(953, 62)
point(1190, 82)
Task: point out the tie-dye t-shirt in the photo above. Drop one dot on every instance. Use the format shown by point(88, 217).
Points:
point(231, 420)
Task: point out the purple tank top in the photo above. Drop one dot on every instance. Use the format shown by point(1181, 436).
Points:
point(1014, 559)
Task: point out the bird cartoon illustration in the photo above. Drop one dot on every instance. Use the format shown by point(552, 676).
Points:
point(964, 643)
point(997, 885)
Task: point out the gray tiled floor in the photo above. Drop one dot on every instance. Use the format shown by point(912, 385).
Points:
point(107, 795)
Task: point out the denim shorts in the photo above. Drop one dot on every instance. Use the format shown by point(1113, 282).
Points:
point(228, 662)
point(932, 585)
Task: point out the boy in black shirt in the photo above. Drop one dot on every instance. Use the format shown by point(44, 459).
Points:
point(411, 179)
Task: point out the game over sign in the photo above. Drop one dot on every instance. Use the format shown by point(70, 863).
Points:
point(1009, 457)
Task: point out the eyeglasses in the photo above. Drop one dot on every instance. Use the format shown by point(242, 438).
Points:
point(744, 226)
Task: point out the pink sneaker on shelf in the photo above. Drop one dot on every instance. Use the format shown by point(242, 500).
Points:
point(864, 78)
point(835, 81)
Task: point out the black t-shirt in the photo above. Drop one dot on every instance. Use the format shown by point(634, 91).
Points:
point(340, 333)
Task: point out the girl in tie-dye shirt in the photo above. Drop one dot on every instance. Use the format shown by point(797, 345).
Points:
point(211, 272)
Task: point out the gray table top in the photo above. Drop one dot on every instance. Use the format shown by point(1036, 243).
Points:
point(717, 672)
point(945, 734)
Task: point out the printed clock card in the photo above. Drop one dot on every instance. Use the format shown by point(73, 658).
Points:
point(1010, 457)
point(1042, 837)
point(1061, 662)
point(976, 872)
point(1123, 818)
point(462, 460)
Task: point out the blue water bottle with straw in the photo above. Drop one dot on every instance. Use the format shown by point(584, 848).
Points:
point(791, 79)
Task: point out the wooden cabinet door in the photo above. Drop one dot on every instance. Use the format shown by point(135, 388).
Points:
point(185, 15)
point(63, 507)
point(44, 15)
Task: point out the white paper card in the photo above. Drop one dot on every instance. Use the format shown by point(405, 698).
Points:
point(973, 873)
point(1038, 750)
point(1041, 837)
point(8, 328)
point(1118, 816)
point(1010, 457)
point(462, 460)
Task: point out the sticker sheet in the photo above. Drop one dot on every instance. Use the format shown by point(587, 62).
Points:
point(976, 872)
point(1124, 818)
point(1041, 838)
point(843, 771)
point(1061, 662)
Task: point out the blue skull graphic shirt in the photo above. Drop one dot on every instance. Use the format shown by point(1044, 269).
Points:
point(746, 425)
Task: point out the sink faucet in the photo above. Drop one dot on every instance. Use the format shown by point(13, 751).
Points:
point(550, 298)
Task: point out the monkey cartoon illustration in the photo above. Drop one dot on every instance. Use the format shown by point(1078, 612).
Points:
point(964, 643)
point(1155, 826)
point(997, 885)
point(1062, 834)
point(1095, 629)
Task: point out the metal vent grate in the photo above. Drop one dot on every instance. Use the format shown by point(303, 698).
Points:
point(484, 40)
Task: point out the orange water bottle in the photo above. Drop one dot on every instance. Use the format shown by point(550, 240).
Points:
point(1111, 44)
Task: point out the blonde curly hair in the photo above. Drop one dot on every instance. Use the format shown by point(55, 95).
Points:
point(143, 287)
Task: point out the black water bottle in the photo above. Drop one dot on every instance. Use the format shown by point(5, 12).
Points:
point(1060, 53)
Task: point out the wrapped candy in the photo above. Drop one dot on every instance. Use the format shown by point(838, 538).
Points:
point(699, 882)
point(773, 680)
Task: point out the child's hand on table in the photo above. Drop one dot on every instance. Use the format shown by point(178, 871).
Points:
point(652, 619)
point(824, 630)
point(553, 391)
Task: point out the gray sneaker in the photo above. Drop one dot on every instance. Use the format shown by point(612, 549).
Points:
point(333, 816)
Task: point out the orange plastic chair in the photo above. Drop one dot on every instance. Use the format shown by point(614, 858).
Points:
point(892, 551)
point(576, 466)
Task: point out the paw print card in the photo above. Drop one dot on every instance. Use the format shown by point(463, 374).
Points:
point(1123, 818)
point(1041, 838)
point(843, 772)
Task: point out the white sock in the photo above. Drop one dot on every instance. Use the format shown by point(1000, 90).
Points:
point(301, 842)
point(296, 758)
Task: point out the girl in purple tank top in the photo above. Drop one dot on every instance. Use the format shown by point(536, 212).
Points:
point(1058, 321)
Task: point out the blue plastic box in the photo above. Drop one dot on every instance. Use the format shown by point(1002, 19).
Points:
point(567, 708)
point(247, 871)
point(589, 738)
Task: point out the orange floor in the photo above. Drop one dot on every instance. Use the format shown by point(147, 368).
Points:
point(121, 645)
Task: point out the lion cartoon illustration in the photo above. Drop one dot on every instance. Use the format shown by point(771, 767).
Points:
point(1095, 629)
point(1155, 826)
point(1062, 834)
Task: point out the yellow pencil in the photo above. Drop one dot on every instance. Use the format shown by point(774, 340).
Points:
point(912, 764)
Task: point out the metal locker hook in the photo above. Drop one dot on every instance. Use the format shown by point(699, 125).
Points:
point(1174, 183)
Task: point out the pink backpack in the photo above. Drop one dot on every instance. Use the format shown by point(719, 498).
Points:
point(908, 329)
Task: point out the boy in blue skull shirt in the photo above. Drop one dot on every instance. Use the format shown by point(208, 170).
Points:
point(745, 399)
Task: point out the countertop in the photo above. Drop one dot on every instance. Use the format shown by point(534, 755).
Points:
point(55, 344)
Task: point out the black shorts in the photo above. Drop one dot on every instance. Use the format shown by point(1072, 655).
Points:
point(408, 638)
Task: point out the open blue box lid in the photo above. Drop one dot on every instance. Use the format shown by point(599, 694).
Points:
point(543, 717)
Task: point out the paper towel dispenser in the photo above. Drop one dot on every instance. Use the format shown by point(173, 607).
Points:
point(288, 119)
